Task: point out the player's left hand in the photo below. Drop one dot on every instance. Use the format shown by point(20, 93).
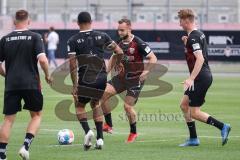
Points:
point(188, 84)
point(143, 76)
point(120, 69)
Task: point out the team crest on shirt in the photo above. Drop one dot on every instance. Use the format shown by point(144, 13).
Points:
point(131, 50)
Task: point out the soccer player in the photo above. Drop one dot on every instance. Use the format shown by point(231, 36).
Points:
point(131, 77)
point(22, 50)
point(199, 81)
point(86, 50)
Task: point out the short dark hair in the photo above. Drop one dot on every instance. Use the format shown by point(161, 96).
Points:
point(51, 28)
point(84, 17)
point(125, 20)
point(21, 15)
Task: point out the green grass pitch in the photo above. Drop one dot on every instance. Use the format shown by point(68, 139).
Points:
point(158, 139)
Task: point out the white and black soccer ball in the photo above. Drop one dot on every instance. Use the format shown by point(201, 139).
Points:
point(65, 136)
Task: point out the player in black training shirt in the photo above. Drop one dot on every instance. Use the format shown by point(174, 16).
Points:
point(200, 79)
point(21, 50)
point(131, 77)
point(87, 49)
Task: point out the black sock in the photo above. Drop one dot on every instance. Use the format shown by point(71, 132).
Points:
point(214, 122)
point(99, 129)
point(85, 125)
point(133, 128)
point(108, 119)
point(192, 129)
point(3, 147)
point(28, 140)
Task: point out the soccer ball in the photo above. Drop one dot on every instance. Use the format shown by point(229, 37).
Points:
point(65, 137)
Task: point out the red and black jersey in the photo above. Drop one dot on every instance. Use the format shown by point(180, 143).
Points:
point(134, 54)
point(197, 41)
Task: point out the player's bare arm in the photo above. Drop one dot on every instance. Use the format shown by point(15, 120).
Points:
point(73, 72)
point(116, 57)
point(197, 67)
point(152, 59)
point(2, 71)
point(44, 65)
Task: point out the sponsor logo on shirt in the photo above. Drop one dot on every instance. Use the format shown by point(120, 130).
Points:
point(196, 46)
point(147, 49)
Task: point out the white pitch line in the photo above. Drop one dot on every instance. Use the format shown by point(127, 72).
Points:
point(213, 137)
point(49, 130)
point(70, 145)
point(114, 132)
point(152, 141)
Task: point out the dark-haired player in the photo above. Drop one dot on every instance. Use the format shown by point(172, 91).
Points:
point(86, 50)
point(131, 77)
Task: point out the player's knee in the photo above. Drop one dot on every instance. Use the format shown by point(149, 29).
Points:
point(194, 113)
point(184, 107)
point(128, 108)
point(36, 115)
point(94, 103)
point(9, 120)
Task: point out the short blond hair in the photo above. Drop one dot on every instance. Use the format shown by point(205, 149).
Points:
point(186, 14)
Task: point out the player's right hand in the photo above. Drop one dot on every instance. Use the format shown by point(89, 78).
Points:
point(184, 39)
point(49, 80)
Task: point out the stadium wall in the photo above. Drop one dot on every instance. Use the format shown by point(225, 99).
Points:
point(223, 45)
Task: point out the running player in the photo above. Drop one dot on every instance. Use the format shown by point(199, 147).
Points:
point(22, 50)
point(199, 81)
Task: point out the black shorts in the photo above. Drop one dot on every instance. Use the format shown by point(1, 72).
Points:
point(132, 86)
point(201, 86)
point(91, 91)
point(33, 100)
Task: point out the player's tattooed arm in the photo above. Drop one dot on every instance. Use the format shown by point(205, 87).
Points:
point(116, 57)
point(73, 69)
point(73, 73)
point(2, 71)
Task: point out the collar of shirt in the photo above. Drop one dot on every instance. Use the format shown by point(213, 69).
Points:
point(86, 31)
point(19, 30)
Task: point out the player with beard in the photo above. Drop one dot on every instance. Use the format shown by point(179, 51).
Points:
point(131, 76)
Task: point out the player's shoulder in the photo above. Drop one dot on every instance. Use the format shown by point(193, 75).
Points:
point(74, 37)
point(195, 36)
point(140, 42)
point(32, 33)
point(138, 39)
point(100, 33)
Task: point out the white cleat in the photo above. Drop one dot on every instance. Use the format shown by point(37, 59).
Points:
point(87, 140)
point(99, 144)
point(3, 159)
point(23, 153)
